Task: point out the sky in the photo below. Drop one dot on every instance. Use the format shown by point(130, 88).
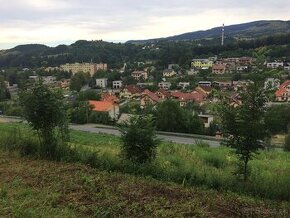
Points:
point(54, 22)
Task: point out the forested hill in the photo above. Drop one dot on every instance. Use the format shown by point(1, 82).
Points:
point(242, 31)
point(161, 53)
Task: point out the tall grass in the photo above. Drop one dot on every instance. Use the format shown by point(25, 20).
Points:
point(185, 164)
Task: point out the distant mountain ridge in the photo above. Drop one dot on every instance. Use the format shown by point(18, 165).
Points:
point(245, 30)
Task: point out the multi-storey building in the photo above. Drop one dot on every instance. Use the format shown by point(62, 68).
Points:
point(91, 68)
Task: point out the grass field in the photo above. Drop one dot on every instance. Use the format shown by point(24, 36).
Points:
point(39, 188)
point(188, 165)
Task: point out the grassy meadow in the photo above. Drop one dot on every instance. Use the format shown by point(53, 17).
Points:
point(189, 165)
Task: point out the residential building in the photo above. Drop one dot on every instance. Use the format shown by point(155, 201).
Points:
point(246, 60)
point(130, 92)
point(242, 68)
point(117, 84)
point(219, 68)
point(185, 98)
point(162, 94)
point(283, 93)
point(204, 83)
point(169, 73)
point(102, 82)
point(137, 75)
point(274, 65)
point(201, 63)
point(241, 84)
point(164, 85)
point(143, 85)
point(287, 66)
point(184, 85)
point(148, 98)
point(91, 68)
point(271, 83)
point(106, 106)
point(204, 90)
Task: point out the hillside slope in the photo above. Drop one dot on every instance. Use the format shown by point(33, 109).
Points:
point(33, 188)
point(246, 30)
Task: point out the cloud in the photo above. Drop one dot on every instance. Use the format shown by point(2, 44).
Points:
point(50, 21)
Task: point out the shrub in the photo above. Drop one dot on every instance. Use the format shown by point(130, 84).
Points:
point(287, 143)
point(139, 139)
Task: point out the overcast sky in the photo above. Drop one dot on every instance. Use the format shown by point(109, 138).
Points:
point(53, 22)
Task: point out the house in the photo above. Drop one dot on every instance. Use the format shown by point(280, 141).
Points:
point(201, 64)
point(275, 65)
point(219, 68)
point(138, 75)
point(169, 73)
point(241, 84)
point(143, 85)
point(246, 60)
point(271, 83)
point(287, 66)
point(204, 90)
point(48, 80)
point(242, 68)
point(185, 98)
point(204, 83)
point(283, 93)
point(117, 84)
point(192, 72)
point(207, 119)
point(223, 85)
point(162, 94)
point(184, 85)
point(106, 106)
point(106, 96)
point(148, 98)
point(102, 82)
point(164, 85)
point(130, 91)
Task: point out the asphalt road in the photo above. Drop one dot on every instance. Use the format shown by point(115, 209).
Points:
point(93, 129)
point(176, 139)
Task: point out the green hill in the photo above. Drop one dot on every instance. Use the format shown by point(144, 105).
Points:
point(242, 31)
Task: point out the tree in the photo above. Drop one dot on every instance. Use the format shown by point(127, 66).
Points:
point(78, 81)
point(45, 111)
point(244, 127)
point(277, 118)
point(4, 93)
point(139, 139)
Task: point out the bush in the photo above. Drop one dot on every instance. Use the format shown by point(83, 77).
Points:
point(139, 139)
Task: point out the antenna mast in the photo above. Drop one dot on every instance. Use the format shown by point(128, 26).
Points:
point(223, 34)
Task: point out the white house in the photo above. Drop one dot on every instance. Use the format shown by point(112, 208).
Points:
point(117, 84)
point(184, 85)
point(164, 85)
point(275, 64)
point(102, 82)
point(169, 73)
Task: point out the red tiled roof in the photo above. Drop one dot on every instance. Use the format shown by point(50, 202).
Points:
point(282, 89)
point(101, 106)
point(151, 95)
point(176, 94)
point(133, 89)
point(108, 97)
point(219, 67)
point(194, 96)
point(164, 92)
